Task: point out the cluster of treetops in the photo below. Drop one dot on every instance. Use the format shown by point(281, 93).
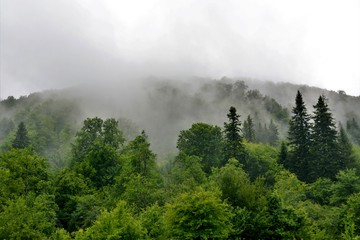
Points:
point(221, 184)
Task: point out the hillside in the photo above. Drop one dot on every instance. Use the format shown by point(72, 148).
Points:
point(75, 164)
point(164, 107)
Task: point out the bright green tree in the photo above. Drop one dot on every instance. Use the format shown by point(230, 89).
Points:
point(299, 140)
point(96, 149)
point(233, 144)
point(116, 224)
point(21, 138)
point(23, 172)
point(198, 214)
point(30, 217)
point(202, 140)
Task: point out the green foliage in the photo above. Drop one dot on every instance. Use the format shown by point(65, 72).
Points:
point(198, 215)
point(233, 145)
point(348, 183)
point(187, 170)
point(202, 140)
point(153, 221)
point(142, 192)
point(346, 155)
point(320, 191)
point(116, 224)
point(68, 185)
point(22, 171)
point(248, 129)
point(21, 137)
point(31, 217)
point(95, 152)
point(273, 134)
point(236, 187)
point(139, 157)
point(289, 188)
point(261, 161)
point(283, 155)
point(299, 140)
point(352, 217)
point(325, 153)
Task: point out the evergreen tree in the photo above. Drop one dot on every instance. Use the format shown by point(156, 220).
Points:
point(248, 129)
point(283, 156)
point(299, 139)
point(324, 148)
point(21, 139)
point(273, 134)
point(233, 146)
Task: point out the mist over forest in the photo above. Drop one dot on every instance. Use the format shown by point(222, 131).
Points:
point(163, 107)
point(196, 119)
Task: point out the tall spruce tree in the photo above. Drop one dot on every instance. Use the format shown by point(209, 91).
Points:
point(21, 139)
point(248, 129)
point(233, 145)
point(299, 140)
point(325, 148)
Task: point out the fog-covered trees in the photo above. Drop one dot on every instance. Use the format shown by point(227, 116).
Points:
point(21, 138)
point(248, 129)
point(109, 188)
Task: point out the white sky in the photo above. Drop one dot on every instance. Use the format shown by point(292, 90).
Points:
point(53, 44)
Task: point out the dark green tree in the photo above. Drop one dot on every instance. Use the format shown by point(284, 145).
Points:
point(248, 129)
point(233, 145)
point(141, 158)
point(283, 155)
point(21, 138)
point(202, 140)
point(95, 152)
point(324, 147)
point(299, 140)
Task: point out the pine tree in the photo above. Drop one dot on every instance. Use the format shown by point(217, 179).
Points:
point(233, 146)
point(325, 147)
point(248, 129)
point(283, 156)
point(21, 139)
point(299, 140)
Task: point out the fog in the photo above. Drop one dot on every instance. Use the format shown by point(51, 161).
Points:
point(56, 44)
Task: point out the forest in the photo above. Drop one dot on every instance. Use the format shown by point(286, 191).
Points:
point(211, 159)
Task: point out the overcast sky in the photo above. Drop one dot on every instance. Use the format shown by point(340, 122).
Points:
point(57, 43)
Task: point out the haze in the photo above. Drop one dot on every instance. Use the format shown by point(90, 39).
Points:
point(56, 44)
